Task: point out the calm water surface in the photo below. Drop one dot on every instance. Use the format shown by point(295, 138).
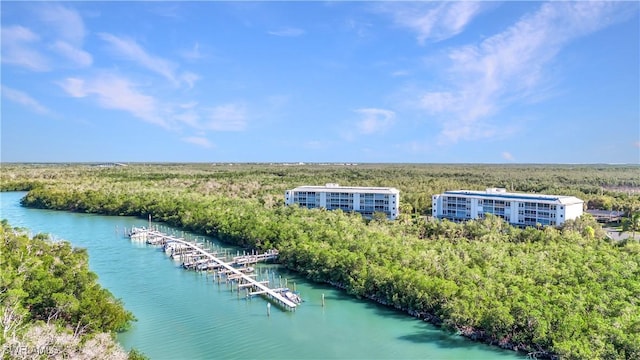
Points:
point(187, 315)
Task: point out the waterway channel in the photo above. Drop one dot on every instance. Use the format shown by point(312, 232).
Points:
point(186, 315)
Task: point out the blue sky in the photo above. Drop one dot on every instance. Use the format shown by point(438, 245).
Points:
point(452, 82)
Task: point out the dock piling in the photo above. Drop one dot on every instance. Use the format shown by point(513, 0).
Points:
point(196, 256)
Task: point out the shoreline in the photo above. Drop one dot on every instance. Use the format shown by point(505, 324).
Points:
point(468, 332)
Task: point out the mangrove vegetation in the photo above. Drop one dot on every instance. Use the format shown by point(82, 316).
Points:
point(51, 305)
point(552, 292)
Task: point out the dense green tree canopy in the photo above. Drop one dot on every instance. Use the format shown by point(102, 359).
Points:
point(49, 299)
point(569, 292)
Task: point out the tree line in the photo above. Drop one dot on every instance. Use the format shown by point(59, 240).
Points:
point(565, 292)
point(608, 187)
point(51, 305)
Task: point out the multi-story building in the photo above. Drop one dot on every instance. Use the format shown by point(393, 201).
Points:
point(364, 200)
point(515, 208)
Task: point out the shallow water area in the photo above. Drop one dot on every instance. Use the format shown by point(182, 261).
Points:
point(188, 315)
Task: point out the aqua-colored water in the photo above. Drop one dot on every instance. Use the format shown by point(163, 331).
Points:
point(185, 315)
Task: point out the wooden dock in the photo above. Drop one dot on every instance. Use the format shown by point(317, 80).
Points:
point(204, 260)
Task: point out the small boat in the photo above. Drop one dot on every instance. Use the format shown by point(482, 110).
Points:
point(247, 270)
point(138, 234)
point(291, 296)
point(156, 240)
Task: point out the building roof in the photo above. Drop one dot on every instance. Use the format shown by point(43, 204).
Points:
point(348, 189)
point(502, 194)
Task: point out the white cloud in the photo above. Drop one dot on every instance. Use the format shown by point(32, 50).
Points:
point(198, 140)
point(130, 50)
point(374, 120)
point(77, 55)
point(192, 54)
point(360, 28)
point(23, 99)
point(65, 22)
point(18, 48)
point(188, 117)
point(67, 26)
point(111, 91)
point(188, 114)
point(189, 105)
point(437, 101)
point(287, 32)
point(18, 33)
point(115, 92)
point(64, 33)
point(74, 87)
point(168, 10)
point(509, 67)
point(229, 117)
point(189, 78)
point(399, 73)
point(508, 156)
point(432, 20)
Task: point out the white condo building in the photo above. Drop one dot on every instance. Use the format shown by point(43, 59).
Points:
point(516, 208)
point(364, 200)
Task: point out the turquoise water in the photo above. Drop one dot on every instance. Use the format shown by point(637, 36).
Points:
point(187, 315)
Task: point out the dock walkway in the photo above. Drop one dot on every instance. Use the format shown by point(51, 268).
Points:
point(232, 273)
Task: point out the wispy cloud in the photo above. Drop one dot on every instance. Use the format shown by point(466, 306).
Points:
point(75, 54)
point(189, 78)
point(67, 27)
point(400, 73)
point(168, 10)
point(287, 32)
point(63, 34)
point(199, 141)
point(360, 28)
point(432, 20)
point(187, 114)
point(130, 50)
point(24, 99)
point(509, 67)
point(18, 48)
point(134, 52)
point(192, 54)
point(229, 117)
point(116, 92)
point(508, 156)
point(65, 22)
point(374, 120)
point(113, 91)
